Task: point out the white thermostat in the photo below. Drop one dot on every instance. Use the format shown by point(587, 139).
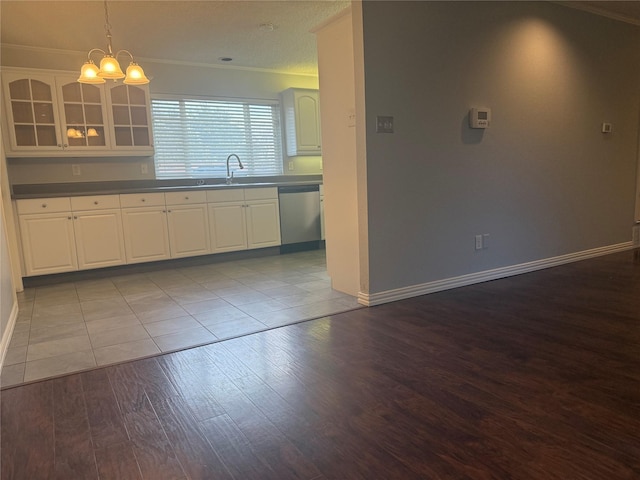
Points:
point(480, 117)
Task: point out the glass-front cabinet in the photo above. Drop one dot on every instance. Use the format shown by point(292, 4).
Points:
point(32, 109)
point(131, 120)
point(54, 115)
point(84, 115)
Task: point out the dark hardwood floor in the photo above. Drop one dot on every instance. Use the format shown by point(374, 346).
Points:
point(531, 377)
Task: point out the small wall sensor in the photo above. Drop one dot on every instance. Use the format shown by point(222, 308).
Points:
point(606, 128)
point(480, 117)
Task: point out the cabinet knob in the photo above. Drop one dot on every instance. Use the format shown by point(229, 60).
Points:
point(44, 205)
point(95, 203)
point(68, 218)
point(75, 217)
point(186, 198)
point(144, 200)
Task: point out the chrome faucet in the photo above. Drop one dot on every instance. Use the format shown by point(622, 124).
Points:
point(230, 176)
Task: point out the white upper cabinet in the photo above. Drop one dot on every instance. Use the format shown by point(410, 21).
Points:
point(301, 108)
point(32, 113)
point(83, 115)
point(130, 117)
point(54, 115)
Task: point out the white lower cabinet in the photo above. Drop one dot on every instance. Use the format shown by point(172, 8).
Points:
point(188, 224)
point(146, 237)
point(263, 224)
point(144, 221)
point(228, 227)
point(79, 233)
point(48, 243)
point(241, 219)
point(99, 238)
point(70, 233)
point(98, 231)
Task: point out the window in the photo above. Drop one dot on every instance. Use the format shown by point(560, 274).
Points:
point(193, 138)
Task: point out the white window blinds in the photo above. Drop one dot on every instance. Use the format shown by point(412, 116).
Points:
point(193, 138)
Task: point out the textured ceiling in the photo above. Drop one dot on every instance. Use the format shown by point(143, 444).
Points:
point(197, 31)
point(188, 31)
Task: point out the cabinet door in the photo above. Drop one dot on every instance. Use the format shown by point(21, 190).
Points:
point(263, 224)
point(227, 226)
point(32, 113)
point(307, 108)
point(145, 234)
point(48, 243)
point(131, 118)
point(188, 230)
point(99, 238)
point(83, 115)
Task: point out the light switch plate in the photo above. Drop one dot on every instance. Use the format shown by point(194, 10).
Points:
point(384, 124)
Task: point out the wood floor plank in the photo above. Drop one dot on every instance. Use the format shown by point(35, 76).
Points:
point(74, 455)
point(27, 438)
point(118, 461)
point(153, 450)
point(235, 449)
point(191, 377)
point(105, 418)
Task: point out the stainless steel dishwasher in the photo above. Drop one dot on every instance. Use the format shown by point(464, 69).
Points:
point(299, 217)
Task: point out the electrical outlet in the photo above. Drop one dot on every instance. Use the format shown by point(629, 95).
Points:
point(485, 240)
point(75, 170)
point(144, 169)
point(478, 242)
point(291, 166)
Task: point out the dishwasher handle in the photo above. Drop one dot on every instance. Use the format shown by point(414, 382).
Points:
point(298, 189)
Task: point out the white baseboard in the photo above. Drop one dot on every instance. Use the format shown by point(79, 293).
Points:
point(8, 333)
point(387, 296)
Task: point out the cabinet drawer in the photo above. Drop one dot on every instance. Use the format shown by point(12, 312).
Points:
point(43, 205)
point(185, 198)
point(228, 195)
point(261, 193)
point(142, 200)
point(95, 202)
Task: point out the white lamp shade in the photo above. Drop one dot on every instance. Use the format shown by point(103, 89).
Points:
point(110, 68)
point(92, 132)
point(89, 74)
point(135, 75)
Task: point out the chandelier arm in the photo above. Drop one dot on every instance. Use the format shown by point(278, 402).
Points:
point(95, 50)
point(124, 51)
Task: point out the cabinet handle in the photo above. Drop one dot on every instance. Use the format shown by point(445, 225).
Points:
point(59, 145)
point(65, 145)
point(169, 211)
point(164, 211)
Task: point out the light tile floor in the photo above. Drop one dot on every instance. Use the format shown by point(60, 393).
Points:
point(75, 326)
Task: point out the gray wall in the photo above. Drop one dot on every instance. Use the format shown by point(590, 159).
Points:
point(543, 181)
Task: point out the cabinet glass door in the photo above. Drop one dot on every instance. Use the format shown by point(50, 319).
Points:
point(130, 116)
point(32, 108)
point(84, 119)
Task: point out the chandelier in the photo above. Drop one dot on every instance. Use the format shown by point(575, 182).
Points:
point(109, 66)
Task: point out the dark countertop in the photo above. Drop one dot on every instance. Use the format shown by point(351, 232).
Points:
point(43, 190)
